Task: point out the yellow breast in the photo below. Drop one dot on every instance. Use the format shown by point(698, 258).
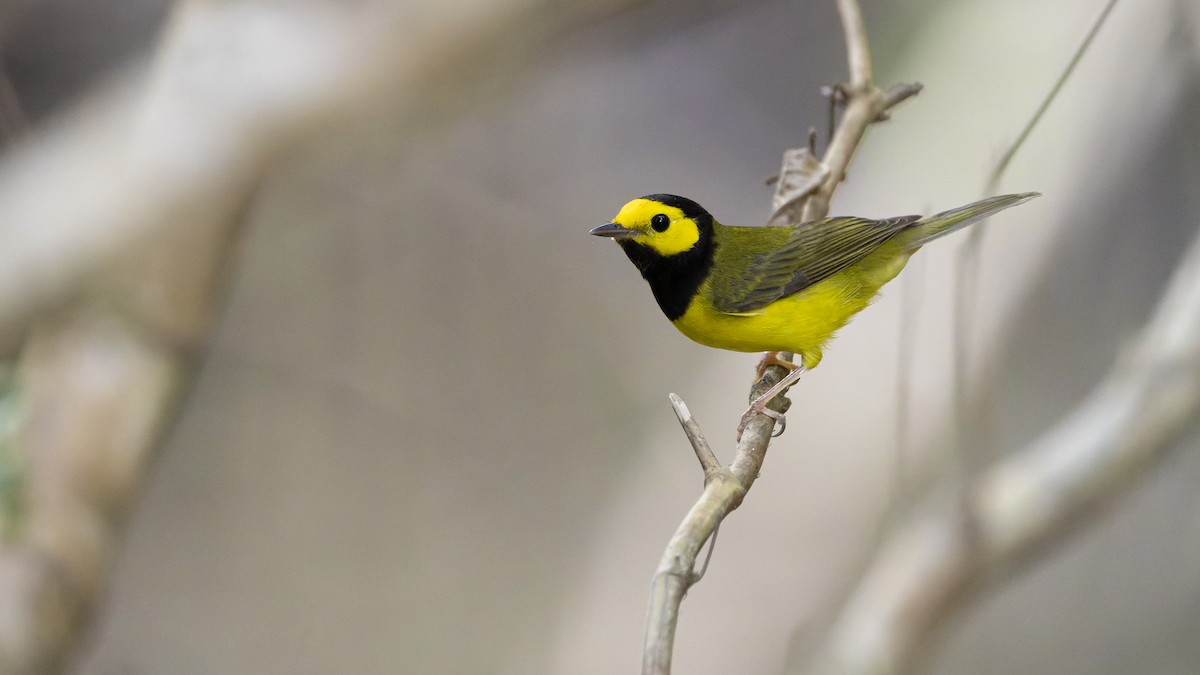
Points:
point(800, 323)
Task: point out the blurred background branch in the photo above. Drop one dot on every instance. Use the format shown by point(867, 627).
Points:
point(118, 223)
point(403, 189)
point(1027, 503)
point(233, 84)
point(98, 381)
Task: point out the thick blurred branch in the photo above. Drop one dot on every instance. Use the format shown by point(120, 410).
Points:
point(932, 564)
point(97, 381)
point(804, 189)
point(243, 81)
point(117, 224)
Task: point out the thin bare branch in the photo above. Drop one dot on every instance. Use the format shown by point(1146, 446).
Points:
point(674, 575)
point(862, 109)
point(708, 461)
point(723, 492)
point(968, 260)
point(1002, 166)
point(803, 174)
point(897, 94)
point(803, 191)
point(858, 50)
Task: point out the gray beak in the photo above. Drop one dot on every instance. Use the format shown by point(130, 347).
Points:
point(613, 231)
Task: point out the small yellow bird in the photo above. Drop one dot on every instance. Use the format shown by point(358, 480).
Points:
point(772, 289)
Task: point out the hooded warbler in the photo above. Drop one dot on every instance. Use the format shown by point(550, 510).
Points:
point(772, 289)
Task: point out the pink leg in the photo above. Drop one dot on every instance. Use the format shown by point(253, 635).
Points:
point(770, 359)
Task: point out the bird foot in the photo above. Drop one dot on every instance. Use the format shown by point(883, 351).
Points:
point(771, 359)
point(759, 406)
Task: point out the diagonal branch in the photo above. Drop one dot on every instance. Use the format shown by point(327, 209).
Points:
point(1127, 425)
point(198, 124)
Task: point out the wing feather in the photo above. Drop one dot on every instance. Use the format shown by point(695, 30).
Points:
point(811, 253)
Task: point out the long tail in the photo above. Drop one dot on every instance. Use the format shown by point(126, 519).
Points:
point(939, 225)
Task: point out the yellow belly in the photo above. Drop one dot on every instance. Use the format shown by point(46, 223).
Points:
point(800, 323)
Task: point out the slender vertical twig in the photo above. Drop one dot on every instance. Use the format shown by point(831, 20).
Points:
point(1002, 166)
point(968, 260)
point(858, 51)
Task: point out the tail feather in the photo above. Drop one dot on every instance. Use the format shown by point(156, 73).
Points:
point(939, 225)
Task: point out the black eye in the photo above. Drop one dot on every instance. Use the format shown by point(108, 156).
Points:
point(660, 223)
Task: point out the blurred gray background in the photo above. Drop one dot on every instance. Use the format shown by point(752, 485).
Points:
point(431, 434)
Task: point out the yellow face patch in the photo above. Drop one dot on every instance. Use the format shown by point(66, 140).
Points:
point(660, 227)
